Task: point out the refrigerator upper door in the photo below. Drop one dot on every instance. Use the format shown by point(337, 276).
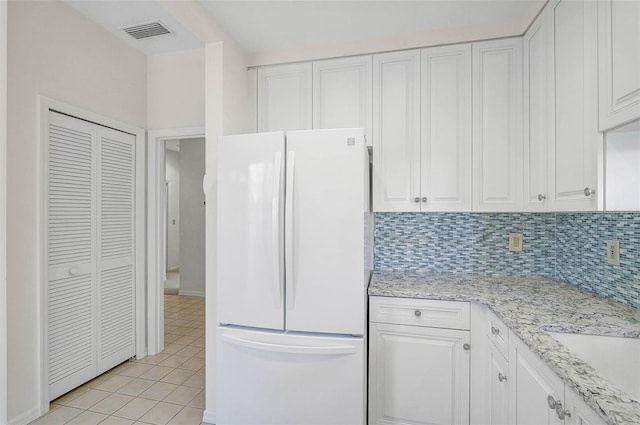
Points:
point(250, 219)
point(327, 184)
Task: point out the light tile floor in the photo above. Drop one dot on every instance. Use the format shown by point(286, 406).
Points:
point(167, 388)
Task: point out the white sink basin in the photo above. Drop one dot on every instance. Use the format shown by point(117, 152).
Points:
point(615, 358)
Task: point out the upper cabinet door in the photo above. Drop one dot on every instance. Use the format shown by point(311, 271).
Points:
point(573, 149)
point(497, 125)
point(537, 67)
point(342, 94)
point(396, 131)
point(284, 97)
point(446, 129)
point(619, 62)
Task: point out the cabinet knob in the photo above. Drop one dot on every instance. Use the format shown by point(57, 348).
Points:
point(416, 199)
point(417, 313)
point(502, 377)
point(466, 347)
point(424, 199)
point(553, 403)
point(588, 191)
point(562, 414)
point(494, 330)
point(541, 197)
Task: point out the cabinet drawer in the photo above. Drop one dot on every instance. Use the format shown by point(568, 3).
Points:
point(498, 333)
point(418, 312)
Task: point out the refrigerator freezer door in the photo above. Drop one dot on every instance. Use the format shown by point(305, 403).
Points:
point(276, 378)
point(250, 219)
point(327, 174)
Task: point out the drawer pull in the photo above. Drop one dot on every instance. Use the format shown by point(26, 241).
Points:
point(502, 377)
point(417, 313)
point(494, 330)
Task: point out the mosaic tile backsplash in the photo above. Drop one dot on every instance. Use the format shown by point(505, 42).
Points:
point(569, 246)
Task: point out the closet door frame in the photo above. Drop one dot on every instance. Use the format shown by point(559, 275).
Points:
point(45, 105)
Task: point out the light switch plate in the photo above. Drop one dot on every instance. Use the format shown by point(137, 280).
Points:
point(515, 242)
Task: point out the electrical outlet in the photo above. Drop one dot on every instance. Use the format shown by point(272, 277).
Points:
point(515, 242)
point(613, 252)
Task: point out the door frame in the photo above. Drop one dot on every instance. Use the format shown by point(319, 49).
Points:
point(3, 223)
point(46, 104)
point(156, 238)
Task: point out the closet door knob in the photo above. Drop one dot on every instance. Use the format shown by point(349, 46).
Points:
point(73, 271)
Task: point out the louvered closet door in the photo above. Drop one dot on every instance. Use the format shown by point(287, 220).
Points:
point(116, 318)
point(90, 231)
point(71, 253)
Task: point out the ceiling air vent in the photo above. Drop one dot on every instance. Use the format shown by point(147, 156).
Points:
point(149, 29)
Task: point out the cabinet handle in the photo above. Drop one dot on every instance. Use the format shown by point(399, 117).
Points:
point(466, 347)
point(417, 313)
point(424, 199)
point(416, 199)
point(588, 191)
point(494, 330)
point(502, 377)
point(541, 197)
point(553, 403)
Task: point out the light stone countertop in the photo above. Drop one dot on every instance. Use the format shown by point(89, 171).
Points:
point(529, 306)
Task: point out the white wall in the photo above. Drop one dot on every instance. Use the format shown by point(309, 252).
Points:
point(192, 212)
point(54, 51)
point(175, 89)
point(172, 172)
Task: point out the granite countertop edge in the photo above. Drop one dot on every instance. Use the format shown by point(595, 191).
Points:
point(530, 307)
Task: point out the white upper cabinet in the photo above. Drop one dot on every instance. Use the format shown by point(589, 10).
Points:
point(284, 97)
point(342, 94)
point(537, 91)
point(396, 131)
point(619, 62)
point(497, 125)
point(573, 149)
point(445, 148)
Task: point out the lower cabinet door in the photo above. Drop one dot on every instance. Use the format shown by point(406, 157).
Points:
point(577, 412)
point(418, 375)
point(535, 388)
point(498, 387)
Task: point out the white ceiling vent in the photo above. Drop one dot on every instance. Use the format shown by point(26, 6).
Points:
point(146, 30)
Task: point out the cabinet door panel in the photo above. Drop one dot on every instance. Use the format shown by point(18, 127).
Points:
point(418, 375)
point(284, 97)
point(396, 131)
point(573, 154)
point(536, 116)
point(531, 384)
point(581, 414)
point(498, 387)
point(619, 62)
point(342, 94)
point(497, 133)
point(446, 128)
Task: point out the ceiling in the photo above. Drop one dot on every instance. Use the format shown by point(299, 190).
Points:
point(264, 26)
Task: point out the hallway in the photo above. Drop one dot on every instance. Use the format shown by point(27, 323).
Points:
point(167, 388)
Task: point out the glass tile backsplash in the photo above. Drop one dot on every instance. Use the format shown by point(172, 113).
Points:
point(569, 246)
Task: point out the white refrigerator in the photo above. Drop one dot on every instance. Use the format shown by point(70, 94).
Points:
point(294, 259)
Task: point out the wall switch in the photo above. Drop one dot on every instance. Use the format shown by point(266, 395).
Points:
point(515, 242)
point(613, 252)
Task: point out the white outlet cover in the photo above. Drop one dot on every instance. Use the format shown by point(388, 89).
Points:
point(613, 252)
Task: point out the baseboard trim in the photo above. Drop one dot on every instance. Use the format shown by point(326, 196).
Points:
point(27, 417)
point(191, 293)
point(209, 417)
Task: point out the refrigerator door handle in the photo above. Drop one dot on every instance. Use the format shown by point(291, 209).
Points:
point(275, 230)
point(291, 349)
point(288, 230)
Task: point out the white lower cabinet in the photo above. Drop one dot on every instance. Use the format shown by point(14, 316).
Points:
point(497, 368)
point(417, 374)
point(578, 411)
